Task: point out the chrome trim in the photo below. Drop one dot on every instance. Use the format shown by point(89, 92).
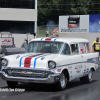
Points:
point(50, 80)
point(54, 62)
point(5, 59)
point(24, 73)
point(41, 69)
point(27, 72)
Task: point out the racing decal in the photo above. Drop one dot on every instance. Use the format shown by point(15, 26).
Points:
point(86, 70)
point(93, 60)
point(96, 67)
point(27, 61)
point(46, 39)
point(85, 66)
point(70, 72)
point(37, 58)
point(49, 39)
point(55, 39)
point(21, 60)
point(82, 48)
point(58, 70)
point(78, 68)
point(42, 39)
point(70, 67)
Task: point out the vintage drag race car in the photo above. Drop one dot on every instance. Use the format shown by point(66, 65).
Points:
point(51, 61)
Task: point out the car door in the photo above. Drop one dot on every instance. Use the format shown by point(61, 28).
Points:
point(85, 53)
point(77, 60)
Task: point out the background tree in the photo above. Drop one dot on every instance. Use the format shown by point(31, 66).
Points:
point(52, 9)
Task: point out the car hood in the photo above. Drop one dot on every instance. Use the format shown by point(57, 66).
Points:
point(30, 60)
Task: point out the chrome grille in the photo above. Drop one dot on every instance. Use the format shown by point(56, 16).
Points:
point(30, 73)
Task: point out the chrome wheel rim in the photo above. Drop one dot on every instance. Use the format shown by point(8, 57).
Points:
point(90, 75)
point(62, 80)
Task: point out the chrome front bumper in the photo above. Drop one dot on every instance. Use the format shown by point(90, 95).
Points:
point(49, 80)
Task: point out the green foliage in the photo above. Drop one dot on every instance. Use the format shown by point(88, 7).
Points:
point(52, 9)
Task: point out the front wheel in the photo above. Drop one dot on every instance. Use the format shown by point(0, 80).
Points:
point(12, 84)
point(87, 78)
point(61, 84)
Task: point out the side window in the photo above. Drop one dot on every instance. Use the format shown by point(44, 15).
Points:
point(66, 50)
point(87, 47)
point(82, 48)
point(74, 48)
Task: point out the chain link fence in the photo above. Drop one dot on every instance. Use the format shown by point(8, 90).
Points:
point(41, 30)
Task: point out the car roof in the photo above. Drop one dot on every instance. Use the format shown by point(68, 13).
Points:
point(62, 39)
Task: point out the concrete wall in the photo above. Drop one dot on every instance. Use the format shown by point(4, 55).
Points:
point(90, 36)
point(18, 14)
point(19, 39)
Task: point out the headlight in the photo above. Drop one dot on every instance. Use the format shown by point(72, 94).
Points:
point(4, 62)
point(52, 65)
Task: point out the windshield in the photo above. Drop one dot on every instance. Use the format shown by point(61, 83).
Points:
point(45, 47)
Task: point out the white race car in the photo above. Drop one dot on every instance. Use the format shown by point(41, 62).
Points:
point(51, 61)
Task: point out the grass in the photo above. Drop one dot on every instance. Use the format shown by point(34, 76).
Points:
point(41, 31)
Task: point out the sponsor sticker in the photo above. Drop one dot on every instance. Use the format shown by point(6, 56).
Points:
point(95, 66)
point(85, 66)
point(70, 67)
point(78, 68)
point(59, 70)
point(70, 72)
point(93, 60)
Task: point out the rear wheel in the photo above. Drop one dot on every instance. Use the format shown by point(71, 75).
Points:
point(12, 84)
point(61, 84)
point(87, 78)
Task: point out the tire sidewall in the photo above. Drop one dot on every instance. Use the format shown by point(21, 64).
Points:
point(12, 84)
point(90, 76)
point(59, 84)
